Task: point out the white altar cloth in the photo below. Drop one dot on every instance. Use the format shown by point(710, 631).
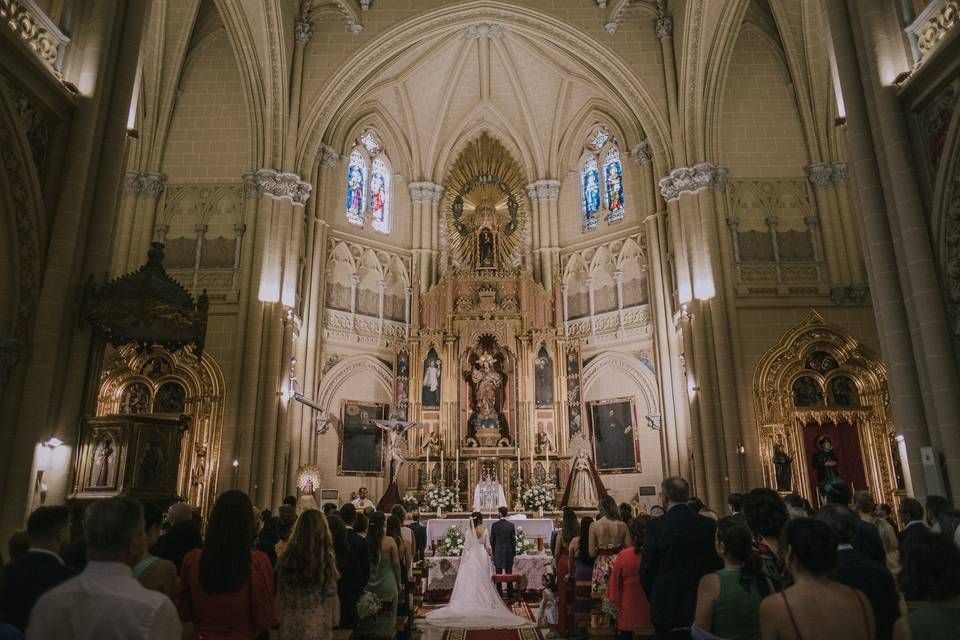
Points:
point(541, 528)
point(442, 571)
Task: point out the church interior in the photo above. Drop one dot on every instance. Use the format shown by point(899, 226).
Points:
point(469, 253)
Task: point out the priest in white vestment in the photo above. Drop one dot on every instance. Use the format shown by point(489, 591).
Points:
point(488, 496)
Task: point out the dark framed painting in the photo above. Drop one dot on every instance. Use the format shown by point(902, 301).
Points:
point(614, 432)
point(361, 446)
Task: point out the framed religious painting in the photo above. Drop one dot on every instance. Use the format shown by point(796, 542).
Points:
point(361, 442)
point(614, 433)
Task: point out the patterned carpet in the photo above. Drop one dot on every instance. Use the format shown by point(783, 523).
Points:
point(520, 609)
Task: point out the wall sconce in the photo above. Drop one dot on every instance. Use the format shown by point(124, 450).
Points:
point(236, 463)
point(741, 450)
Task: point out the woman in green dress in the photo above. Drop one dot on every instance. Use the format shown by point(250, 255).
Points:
point(930, 575)
point(384, 575)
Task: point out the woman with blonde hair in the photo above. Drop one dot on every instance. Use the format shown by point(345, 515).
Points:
point(307, 577)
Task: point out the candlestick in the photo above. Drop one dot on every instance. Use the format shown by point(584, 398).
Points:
point(458, 463)
point(441, 464)
point(429, 435)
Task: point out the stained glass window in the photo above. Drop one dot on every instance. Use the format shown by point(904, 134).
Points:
point(356, 185)
point(599, 139)
point(613, 184)
point(590, 177)
point(379, 196)
point(371, 143)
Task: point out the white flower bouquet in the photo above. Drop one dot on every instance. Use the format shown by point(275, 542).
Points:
point(537, 496)
point(368, 605)
point(410, 502)
point(451, 543)
point(439, 497)
point(525, 546)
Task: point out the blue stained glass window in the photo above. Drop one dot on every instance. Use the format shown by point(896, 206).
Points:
point(590, 177)
point(613, 185)
point(379, 196)
point(356, 185)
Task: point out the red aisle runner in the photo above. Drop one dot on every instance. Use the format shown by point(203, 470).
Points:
point(524, 633)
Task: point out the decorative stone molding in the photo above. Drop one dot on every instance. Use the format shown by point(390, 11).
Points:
point(840, 173)
point(425, 191)
point(279, 185)
point(700, 176)
point(642, 153)
point(328, 156)
point(664, 27)
point(356, 28)
point(547, 189)
point(365, 4)
point(602, 4)
point(32, 25)
point(302, 30)
point(147, 184)
point(484, 30)
point(933, 23)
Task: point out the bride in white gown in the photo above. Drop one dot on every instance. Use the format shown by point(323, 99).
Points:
point(475, 603)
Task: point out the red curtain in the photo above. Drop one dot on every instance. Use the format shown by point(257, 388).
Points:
point(846, 444)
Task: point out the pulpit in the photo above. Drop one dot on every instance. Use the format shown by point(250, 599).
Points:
point(136, 455)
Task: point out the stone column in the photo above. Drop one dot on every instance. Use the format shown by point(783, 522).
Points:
point(618, 277)
point(820, 176)
point(838, 176)
point(534, 223)
point(771, 222)
point(407, 294)
point(146, 188)
point(664, 30)
point(381, 287)
point(548, 192)
point(734, 225)
point(593, 306)
point(812, 222)
point(435, 223)
point(565, 290)
point(354, 281)
point(238, 231)
point(201, 230)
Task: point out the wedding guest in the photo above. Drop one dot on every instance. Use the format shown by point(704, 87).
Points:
point(581, 567)
point(355, 568)
point(766, 515)
point(226, 588)
point(934, 506)
point(285, 524)
point(735, 503)
point(656, 511)
point(268, 537)
point(608, 536)
point(626, 513)
point(678, 550)
point(306, 503)
point(950, 524)
point(18, 545)
point(547, 613)
point(361, 524)
point(728, 600)
point(105, 601)
point(329, 509)
point(182, 537)
point(385, 576)
point(152, 572)
point(859, 572)
point(561, 552)
point(911, 513)
point(407, 535)
point(625, 591)
point(39, 569)
point(696, 504)
point(796, 506)
point(865, 508)
point(405, 597)
point(815, 606)
point(307, 581)
point(867, 541)
point(419, 535)
point(931, 574)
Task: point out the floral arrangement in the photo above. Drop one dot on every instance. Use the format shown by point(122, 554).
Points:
point(439, 497)
point(368, 605)
point(537, 496)
point(451, 543)
point(525, 547)
point(410, 502)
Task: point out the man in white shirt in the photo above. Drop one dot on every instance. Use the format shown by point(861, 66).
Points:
point(106, 602)
point(362, 503)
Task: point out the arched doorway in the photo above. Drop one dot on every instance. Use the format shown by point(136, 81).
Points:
point(820, 391)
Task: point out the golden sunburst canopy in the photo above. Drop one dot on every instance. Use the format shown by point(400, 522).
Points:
point(485, 190)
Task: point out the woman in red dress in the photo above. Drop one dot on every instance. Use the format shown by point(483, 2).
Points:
point(566, 622)
point(226, 588)
point(624, 589)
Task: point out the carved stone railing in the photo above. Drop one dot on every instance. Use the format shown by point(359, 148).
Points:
point(361, 328)
point(33, 26)
point(608, 326)
point(934, 22)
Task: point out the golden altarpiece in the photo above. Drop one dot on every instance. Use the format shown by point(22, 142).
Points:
point(819, 385)
point(484, 350)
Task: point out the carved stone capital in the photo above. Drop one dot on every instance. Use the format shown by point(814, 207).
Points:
point(602, 4)
point(839, 173)
point(547, 189)
point(700, 176)
point(642, 153)
point(664, 27)
point(201, 229)
point(484, 30)
point(279, 185)
point(811, 221)
point(532, 191)
point(147, 184)
point(425, 191)
point(820, 175)
point(733, 223)
point(771, 221)
point(302, 30)
point(328, 156)
point(160, 232)
point(239, 229)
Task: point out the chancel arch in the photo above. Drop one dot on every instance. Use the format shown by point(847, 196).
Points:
point(820, 396)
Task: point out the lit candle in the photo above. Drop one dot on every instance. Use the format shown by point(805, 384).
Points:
point(518, 464)
point(429, 435)
point(546, 448)
point(441, 464)
point(457, 474)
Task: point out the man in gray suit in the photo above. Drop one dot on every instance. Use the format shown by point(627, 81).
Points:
point(503, 540)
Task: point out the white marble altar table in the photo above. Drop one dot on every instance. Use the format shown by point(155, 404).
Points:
point(533, 528)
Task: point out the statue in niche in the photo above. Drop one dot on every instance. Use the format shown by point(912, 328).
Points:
point(485, 242)
point(825, 461)
point(431, 380)
point(485, 386)
point(102, 462)
point(807, 392)
point(781, 467)
point(543, 379)
point(135, 399)
point(151, 465)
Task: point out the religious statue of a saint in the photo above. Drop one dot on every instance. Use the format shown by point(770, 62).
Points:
point(485, 249)
point(102, 463)
point(431, 380)
point(485, 382)
point(781, 467)
point(582, 493)
point(825, 461)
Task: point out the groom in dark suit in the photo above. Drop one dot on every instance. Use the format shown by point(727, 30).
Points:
point(503, 539)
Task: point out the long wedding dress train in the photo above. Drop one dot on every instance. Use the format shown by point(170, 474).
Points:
point(475, 603)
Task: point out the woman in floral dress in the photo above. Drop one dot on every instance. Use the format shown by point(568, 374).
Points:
point(307, 581)
point(608, 536)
